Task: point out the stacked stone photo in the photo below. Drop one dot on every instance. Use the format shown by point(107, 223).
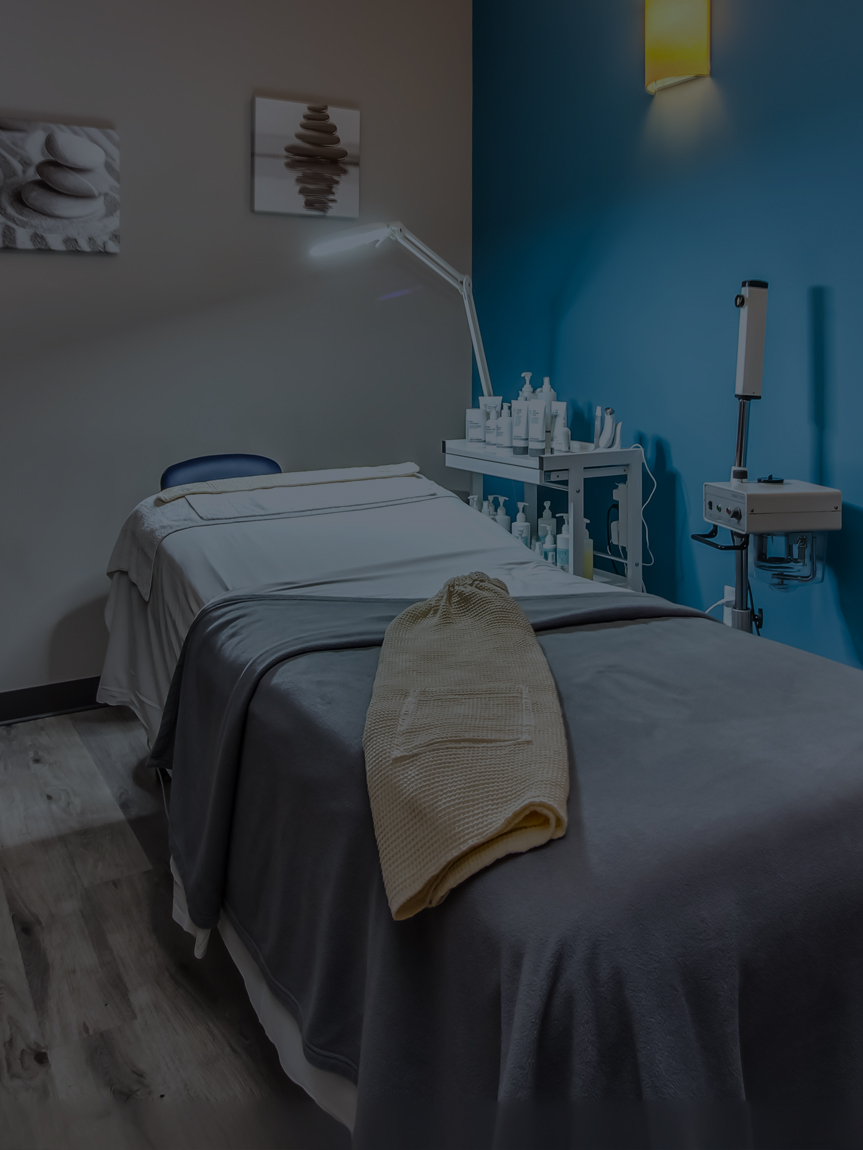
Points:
point(59, 187)
point(316, 159)
point(71, 182)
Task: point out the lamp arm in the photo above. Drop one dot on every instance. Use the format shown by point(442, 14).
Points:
point(476, 338)
point(462, 283)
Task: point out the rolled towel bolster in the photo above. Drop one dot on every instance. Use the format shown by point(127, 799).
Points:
point(461, 770)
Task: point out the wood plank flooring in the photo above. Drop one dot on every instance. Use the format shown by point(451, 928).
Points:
point(111, 1032)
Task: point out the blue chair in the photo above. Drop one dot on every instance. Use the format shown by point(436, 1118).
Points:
point(205, 467)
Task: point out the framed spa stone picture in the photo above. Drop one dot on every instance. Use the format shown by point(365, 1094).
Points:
point(59, 187)
point(305, 159)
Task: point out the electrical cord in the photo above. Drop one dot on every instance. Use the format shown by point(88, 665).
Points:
point(718, 603)
point(645, 503)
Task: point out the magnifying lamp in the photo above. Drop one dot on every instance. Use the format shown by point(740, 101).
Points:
point(376, 234)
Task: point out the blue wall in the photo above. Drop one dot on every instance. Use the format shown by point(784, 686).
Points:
point(612, 230)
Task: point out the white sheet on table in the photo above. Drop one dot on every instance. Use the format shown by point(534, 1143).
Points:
point(402, 551)
point(151, 523)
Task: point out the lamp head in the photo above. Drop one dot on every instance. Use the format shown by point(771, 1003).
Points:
point(354, 238)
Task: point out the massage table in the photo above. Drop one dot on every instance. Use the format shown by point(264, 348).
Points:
point(683, 967)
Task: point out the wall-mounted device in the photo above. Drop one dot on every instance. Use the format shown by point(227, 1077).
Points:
point(784, 516)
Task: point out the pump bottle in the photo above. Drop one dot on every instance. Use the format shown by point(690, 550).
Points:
point(502, 517)
point(504, 429)
point(547, 518)
point(521, 527)
point(563, 542)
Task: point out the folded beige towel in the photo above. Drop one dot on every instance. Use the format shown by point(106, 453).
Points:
point(466, 756)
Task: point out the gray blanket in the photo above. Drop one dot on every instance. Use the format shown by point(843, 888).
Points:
point(696, 938)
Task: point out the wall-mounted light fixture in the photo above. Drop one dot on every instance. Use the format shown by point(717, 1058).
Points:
point(676, 42)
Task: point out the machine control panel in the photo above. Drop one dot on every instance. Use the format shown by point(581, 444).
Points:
point(773, 508)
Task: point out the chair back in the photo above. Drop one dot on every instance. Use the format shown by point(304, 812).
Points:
point(204, 467)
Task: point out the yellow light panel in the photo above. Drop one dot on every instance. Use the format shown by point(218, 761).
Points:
point(676, 42)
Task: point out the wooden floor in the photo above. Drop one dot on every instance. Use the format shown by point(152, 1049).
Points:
point(111, 1032)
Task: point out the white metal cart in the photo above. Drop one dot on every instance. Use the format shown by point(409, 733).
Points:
point(562, 472)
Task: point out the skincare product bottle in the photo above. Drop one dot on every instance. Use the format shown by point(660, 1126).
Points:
point(537, 546)
point(563, 543)
point(519, 426)
point(521, 527)
point(549, 548)
point(472, 499)
point(486, 508)
point(526, 390)
point(474, 425)
point(504, 429)
point(502, 517)
point(597, 426)
point(547, 518)
point(490, 401)
point(559, 430)
point(536, 427)
point(491, 427)
point(588, 553)
point(548, 395)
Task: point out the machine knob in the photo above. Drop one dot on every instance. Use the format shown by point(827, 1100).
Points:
point(736, 514)
point(740, 301)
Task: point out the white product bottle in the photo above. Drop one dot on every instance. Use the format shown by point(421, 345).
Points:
point(474, 425)
point(521, 527)
point(471, 499)
point(588, 553)
point(563, 543)
point(502, 517)
point(537, 546)
point(491, 427)
point(536, 427)
point(520, 427)
point(504, 429)
point(549, 548)
point(547, 518)
point(548, 395)
point(526, 390)
point(486, 508)
point(559, 431)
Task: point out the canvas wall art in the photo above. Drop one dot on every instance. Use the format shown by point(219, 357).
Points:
point(59, 187)
point(306, 159)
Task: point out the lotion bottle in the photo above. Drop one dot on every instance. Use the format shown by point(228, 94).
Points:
point(521, 527)
point(549, 548)
point(504, 429)
point(536, 425)
point(547, 518)
point(474, 425)
point(502, 517)
point(548, 395)
point(486, 508)
point(563, 543)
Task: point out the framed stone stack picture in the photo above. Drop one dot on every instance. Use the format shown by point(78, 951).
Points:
point(59, 187)
point(305, 159)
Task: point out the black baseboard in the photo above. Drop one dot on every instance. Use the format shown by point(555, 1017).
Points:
point(52, 699)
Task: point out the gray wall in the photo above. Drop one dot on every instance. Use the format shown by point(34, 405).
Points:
point(211, 330)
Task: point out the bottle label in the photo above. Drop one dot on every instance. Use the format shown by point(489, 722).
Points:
point(563, 557)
